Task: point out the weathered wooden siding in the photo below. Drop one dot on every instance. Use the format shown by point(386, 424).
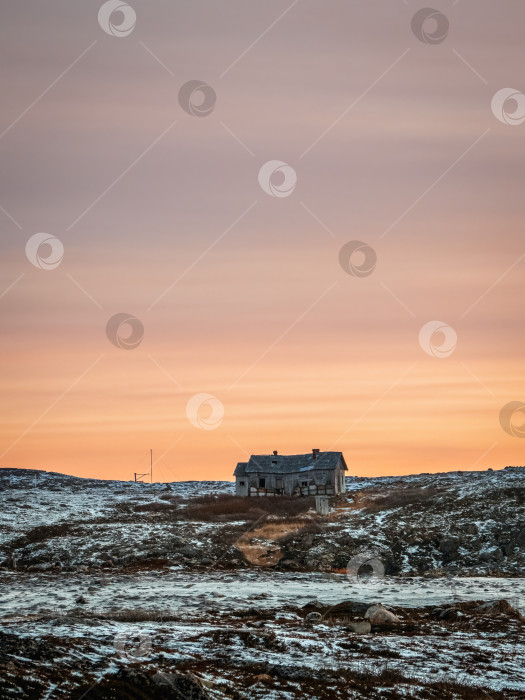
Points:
point(319, 482)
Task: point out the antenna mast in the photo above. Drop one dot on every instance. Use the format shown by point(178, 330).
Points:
point(138, 476)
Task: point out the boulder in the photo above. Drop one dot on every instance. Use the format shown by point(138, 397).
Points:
point(40, 567)
point(451, 613)
point(381, 617)
point(470, 529)
point(494, 554)
point(496, 607)
point(313, 618)
point(363, 627)
point(508, 548)
point(292, 564)
point(449, 545)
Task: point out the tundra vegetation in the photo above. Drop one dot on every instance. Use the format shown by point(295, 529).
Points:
point(184, 590)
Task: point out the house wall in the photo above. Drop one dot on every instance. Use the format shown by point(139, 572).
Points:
point(323, 482)
point(342, 476)
point(241, 486)
point(310, 483)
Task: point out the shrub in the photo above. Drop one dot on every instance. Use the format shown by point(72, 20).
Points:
point(217, 508)
point(40, 534)
point(138, 615)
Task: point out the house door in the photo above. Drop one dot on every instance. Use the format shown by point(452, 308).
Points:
point(279, 486)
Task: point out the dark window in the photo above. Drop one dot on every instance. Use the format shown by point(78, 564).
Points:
point(241, 483)
point(262, 483)
point(304, 483)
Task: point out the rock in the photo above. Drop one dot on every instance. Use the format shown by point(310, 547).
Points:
point(80, 600)
point(312, 564)
point(451, 613)
point(290, 564)
point(494, 554)
point(449, 545)
point(261, 678)
point(470, 529)
point(349, 607)
point(363, 627)
point(508, 548)
point(495, 607)
point(313, 618)
point(520, 538)
point(172, 685)
point(39, 567)
point(381, 617)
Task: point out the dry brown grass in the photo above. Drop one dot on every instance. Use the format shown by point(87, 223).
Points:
point(262, 546)
point(223, 508)
point(40, 534)
point(136, 615)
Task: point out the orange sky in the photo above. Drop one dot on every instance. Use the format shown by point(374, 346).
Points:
point(240, 294)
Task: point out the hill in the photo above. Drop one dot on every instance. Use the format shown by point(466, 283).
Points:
point(461, 523)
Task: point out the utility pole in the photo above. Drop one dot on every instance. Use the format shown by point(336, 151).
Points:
point(138, 477)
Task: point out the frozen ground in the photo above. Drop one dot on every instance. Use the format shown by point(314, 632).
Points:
point(245, 636)
point(176, 591)
point(116, 589)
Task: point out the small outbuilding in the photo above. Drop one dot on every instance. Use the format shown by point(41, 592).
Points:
point(314, 474)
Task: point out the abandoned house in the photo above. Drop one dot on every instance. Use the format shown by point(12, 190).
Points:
point(313, 474)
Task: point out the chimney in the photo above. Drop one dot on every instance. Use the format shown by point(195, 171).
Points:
point(275, 452)
point(315, 453)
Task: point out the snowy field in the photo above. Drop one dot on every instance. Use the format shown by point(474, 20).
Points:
point(175, 591)
point(116, 589)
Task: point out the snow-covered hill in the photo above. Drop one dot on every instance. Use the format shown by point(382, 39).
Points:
point(116, 589)
point(468, 523)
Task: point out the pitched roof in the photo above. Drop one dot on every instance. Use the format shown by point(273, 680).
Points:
point(240, 469)
point(290, 464)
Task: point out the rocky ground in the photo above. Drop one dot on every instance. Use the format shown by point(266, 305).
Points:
point(456, 650)
point(466, 523)
point(116, 589)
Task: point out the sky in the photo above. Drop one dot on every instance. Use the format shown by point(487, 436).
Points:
point(312, 212)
